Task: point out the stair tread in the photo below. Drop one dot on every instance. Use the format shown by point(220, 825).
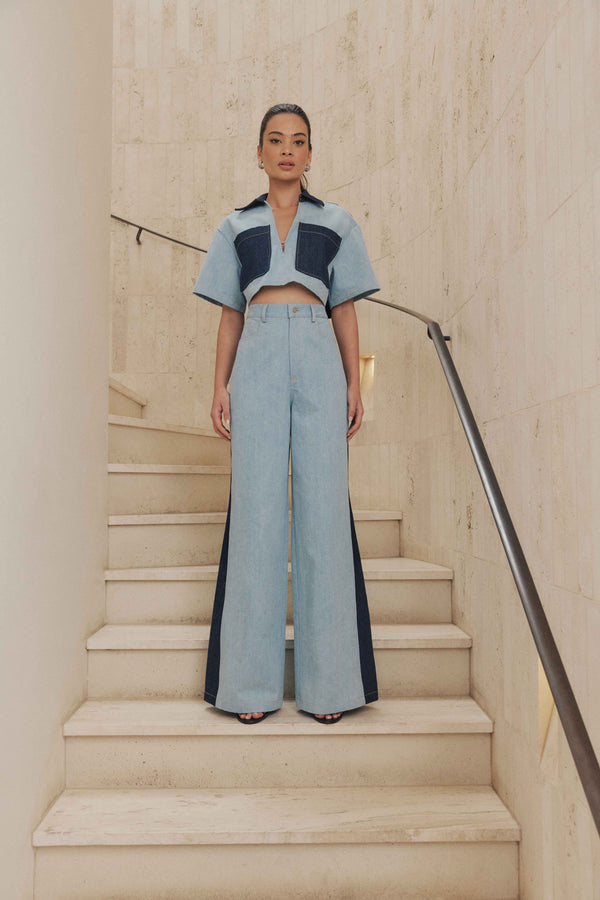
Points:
point(380, 568)
point(126, 391)
point(200, 518)
point(160, 425)
point(169, 468)
point(349, 814)
point(188, 637)
point(194, 716)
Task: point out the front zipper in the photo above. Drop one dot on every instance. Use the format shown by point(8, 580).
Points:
point(283, 243)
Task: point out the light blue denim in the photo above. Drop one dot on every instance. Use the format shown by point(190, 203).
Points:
point(288, 394)
point(325, 251)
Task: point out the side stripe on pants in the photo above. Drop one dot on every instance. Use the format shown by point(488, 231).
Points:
point(363, 619)
point(211, 684)
point(367, 659)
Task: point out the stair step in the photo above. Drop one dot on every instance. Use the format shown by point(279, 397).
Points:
point(161, 816)
point(400, 590)
point(157, 539)
point(189, 743)
point(347, 842)
point(123, 400)
point(160, 425)
point(135, 440)
point(200, 518)
point(160, 488)
point(193, 716)
point(195, 637)
point(131, 661)
point(384, 569)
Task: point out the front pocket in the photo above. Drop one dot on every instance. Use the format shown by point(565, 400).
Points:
point(250, 328)
point(315, 248)
point(253, 247)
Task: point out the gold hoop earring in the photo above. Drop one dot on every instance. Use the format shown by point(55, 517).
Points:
point(261, 165)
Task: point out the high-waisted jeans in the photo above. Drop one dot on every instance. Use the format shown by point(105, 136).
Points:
point(288, 392)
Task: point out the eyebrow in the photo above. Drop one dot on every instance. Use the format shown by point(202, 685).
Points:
point(303, 133)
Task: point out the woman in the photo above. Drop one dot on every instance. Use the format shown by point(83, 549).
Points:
point(296, 260)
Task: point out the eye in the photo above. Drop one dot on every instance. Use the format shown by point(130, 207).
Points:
point(274, 140)
point(300, 141)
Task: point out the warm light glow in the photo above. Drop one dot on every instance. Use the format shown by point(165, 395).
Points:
point(367, 384)
point(545, 707)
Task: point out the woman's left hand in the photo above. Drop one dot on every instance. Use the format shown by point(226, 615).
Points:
point(355, 412)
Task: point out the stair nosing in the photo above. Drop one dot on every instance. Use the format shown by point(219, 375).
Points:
point(200, 518)
point(373, 569)
point(167, 469)
point(282, 815)
point(110, 637)
point(391, 716)
point(159, 425)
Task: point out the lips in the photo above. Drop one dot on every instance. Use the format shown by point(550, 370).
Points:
point(286, 165)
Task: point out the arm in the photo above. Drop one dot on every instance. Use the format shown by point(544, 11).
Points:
point(219, 283)
point(345, 326)
point(228, 335)
point(352, 278)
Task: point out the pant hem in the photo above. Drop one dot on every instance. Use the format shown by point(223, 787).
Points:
point(340, 707)
point(267, 706)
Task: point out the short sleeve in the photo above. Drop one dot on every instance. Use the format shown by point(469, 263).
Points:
point(352, 274)
point(219, 278)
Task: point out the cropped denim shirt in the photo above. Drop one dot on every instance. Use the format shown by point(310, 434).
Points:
point(324, 251)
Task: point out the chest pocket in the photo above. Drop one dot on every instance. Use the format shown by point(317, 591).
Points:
point(316, 247)
point(253, 247)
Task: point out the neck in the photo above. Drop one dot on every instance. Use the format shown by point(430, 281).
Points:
point(285, 195)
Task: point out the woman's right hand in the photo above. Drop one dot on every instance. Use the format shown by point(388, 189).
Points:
point(220, 407)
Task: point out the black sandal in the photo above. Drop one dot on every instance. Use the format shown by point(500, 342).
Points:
point(254, 721)
point(327, 721)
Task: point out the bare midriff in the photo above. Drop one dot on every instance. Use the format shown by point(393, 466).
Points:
point(293, 292)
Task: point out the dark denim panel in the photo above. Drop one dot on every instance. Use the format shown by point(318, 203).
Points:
point(253, 247)
point(315, 248)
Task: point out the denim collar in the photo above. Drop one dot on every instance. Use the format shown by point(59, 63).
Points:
point(304, 195)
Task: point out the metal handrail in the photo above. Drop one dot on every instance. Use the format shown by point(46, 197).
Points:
point(576, 733)
point(141, 228)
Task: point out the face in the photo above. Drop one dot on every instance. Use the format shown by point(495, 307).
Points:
point(284, 149)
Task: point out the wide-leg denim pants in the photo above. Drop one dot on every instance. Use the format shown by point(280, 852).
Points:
point(288, 395)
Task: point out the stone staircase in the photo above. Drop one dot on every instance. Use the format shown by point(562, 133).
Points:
point(168, 797)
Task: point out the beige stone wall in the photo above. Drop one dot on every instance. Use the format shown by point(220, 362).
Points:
point(465, 139)
point(55, 96)
point(192, 82)
point(505, 137)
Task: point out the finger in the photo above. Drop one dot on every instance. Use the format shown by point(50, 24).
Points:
point(218, 427)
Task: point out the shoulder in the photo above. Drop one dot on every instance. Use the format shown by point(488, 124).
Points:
point(335, 216)
point(240, 220)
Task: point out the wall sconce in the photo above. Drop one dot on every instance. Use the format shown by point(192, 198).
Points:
point(367, 384)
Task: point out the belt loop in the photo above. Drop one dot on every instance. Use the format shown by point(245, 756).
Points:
point(313, 312)
point(263, 314)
